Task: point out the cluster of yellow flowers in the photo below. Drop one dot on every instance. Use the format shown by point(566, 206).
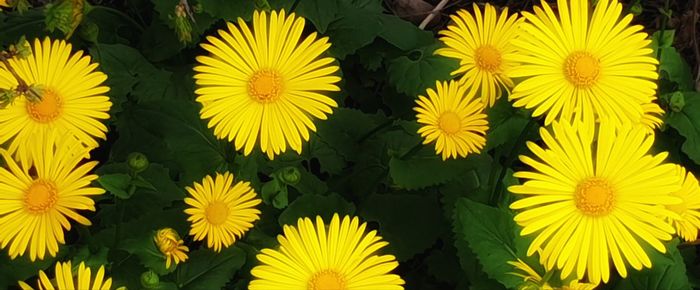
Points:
point(595, 191)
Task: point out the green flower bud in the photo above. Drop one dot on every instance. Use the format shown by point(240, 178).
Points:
point(22, 48)
point(677, 102)
point(7, 97)
point(138, 162)
point(636, 8)
point(290, 175)
point(183, 25)
point(89, 31)
point(150, 280)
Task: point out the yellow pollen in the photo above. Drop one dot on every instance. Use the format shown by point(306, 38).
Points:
point(595, 197)
point(488, 58)
point(40, 197)
point(46, 110)
point(450, 123)
point(327, 280)
point(265, 86)
point(582, 69)
point(217, 213)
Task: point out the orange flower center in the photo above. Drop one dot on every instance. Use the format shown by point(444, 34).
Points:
point(217, 213)
point(449, 122)
point(582, 69)
point(40, 197)
point(265, 86)
point(488, 58)
point(327, 280)
point(595, 197)
point(46, 110)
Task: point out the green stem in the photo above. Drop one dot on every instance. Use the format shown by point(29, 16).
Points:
point(413, 151)
point(496, 196)
point(376, 130)
point(664, 23)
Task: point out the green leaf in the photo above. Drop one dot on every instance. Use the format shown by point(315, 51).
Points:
point(22, 269)
point(312, 205)
point(505, 123)
point(677, 69)
point(667, 273)
point(345, 33)
point(411, 223)
point(227, 10)
point(117, 184)
point(489, 232)
point(425, 170)
point(418, 70)
point(206, 269)
point(320, 12)
point(403, 34)
point(687, 123)
point(145, 249)
point(345, 128)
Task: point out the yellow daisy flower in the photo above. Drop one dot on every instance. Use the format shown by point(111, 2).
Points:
point(482, 43)
point(169, 243)
point(66, 280)
point(534, 281)
point(266, 84)
point(589, 202)
point(220, 211)
point(36, 201)
point(688, 221)
point(319, 256)
point(72, 97)
point(452, 118)
point(3, 3)
point(584, 66)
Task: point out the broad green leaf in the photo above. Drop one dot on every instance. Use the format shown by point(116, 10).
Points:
point(227, 10)
point(345, 128)
point(411, 223)
point(117, 184)
point(320, 12)
point(687, 123)
point(505, 124)
point(22, 269)
point(489, 232)
point(403, 34)
point(346, 36)
point(668, 272)
point(312, 205)
point(419, 69)
point(677, 69)
point(425, 169)
point(30, 25)
point(146, 250)
point(207, 269)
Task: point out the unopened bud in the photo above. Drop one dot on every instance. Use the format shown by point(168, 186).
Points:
point(183, 25)
point(138, 162)
point(677, 102)
point(290, 175)
point(150, 280)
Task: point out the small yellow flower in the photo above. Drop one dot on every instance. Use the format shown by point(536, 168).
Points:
point(220, 211)
point(687, 222)
point(66, 280)
point(170, 244)
point(452, 118)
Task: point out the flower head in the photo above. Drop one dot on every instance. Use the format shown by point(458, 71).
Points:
point(265, 85)
point(317, 256)
point(37, 201)
point(482, 43)
point(589, 201)
point(72, 98)
point(687, 222)
point(220, 211)
point(453, 119)
point(66, 280)
point(169, 243)
point(584, 66)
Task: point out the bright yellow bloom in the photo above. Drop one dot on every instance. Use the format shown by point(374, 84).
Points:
point(267, 84)
point(72, 98)
point(452, 118)
point(589, 201)
point(584, 66)
point(220, 211)
point(3, 3)
point(483, 45)
point(320, 257)
point(687, 222)
point(64, 279)
point(36, 201)
point(651, 119)
point(169, 243)
point(534, 281)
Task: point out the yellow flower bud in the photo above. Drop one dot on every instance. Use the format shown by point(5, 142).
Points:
point(169, 243)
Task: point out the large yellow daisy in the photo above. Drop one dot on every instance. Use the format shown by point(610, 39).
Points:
point(220, 211)
point(483, 45)
point(338, 256)
point(64, 279)
point(452, 118)
point(589, 202)
point(267, 84)
point(584, 66)
point(687, 222)
point(36, 202)
point(72, 97)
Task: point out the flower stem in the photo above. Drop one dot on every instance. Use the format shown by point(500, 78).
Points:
point(22, 87)
point(498, 187)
